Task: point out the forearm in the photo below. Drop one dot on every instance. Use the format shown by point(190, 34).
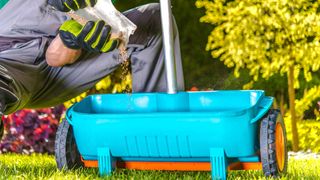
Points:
point(59, 55)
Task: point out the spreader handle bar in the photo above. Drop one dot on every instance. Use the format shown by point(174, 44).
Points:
point(167, 33)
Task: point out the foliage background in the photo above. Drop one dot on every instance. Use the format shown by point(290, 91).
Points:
point(204, 72)
point(268, 38)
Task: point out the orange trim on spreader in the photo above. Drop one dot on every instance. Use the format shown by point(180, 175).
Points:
point(177, 166)
point(245, 166)
point(280, 146)
point(90, 164)
point(169, 166)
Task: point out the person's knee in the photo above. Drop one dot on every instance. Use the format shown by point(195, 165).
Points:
point(152, 15)
point(147, 18)
point(150, 7)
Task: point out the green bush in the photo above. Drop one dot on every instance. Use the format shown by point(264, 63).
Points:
point(309, 135)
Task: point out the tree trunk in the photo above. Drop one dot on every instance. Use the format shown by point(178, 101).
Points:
point(292, 96)
point(275, 104)
point(282, 109)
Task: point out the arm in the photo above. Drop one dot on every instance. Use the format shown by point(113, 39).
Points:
point(94, 37)
point(59, 55)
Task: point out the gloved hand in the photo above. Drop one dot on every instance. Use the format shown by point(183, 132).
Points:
point(68, 5)
point(93, 37)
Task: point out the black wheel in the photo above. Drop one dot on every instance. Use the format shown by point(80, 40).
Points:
point(273, 140)
point(66, 152)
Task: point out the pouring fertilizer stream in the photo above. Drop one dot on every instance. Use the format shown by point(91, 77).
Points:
point(46, 58)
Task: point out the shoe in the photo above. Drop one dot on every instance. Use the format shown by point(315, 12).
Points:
point(1, 122)
point(6, 97)
point(1, 128)
point(1, 114)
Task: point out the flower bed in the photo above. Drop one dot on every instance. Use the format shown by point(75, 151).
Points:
point(28, 131)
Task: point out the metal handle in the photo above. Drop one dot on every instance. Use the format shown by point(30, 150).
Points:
point(167, 33)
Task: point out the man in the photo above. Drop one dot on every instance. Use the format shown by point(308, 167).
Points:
point(47, 58)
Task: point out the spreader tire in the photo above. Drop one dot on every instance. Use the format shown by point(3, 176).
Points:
point(66, 152)
point(273, 151)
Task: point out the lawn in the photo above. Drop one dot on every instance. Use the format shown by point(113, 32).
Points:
point(43, 167)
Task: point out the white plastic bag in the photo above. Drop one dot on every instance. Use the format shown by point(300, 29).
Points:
point(105, 10)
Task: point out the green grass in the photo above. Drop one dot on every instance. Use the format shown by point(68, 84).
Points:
point(43, 167)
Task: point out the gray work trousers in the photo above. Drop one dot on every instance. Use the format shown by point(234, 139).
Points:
point(38, 85)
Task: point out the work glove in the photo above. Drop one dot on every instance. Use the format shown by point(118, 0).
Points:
point(93, 36)
point(68, 5)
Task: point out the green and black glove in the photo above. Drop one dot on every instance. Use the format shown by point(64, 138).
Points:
point(93, 37)
point(68, 5)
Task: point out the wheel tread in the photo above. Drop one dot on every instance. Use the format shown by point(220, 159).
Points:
point(64, 137)
point(267, 143)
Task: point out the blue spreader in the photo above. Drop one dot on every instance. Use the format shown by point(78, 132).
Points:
point(182, 127)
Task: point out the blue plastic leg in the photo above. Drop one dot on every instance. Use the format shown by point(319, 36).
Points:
point(218, 163)
point(104, 161)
